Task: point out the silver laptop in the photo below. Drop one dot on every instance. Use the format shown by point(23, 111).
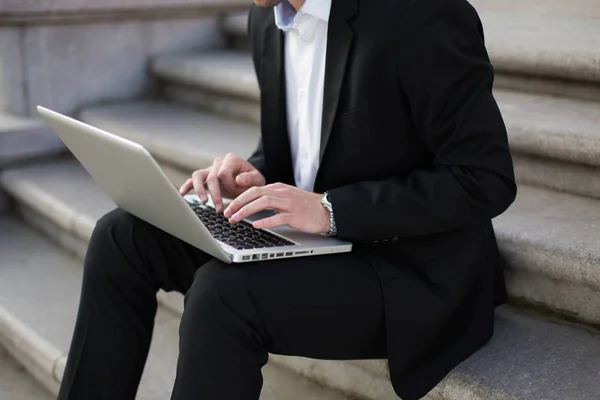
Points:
point(135, 182)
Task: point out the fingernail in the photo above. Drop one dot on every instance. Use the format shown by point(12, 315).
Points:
point(203, 199)
point(227, 213)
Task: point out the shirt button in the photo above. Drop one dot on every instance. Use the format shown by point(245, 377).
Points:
point(304, 39)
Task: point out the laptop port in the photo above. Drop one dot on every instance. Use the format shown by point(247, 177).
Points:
point(256, 257)
point(265, 256)
point(289, 253)
point(272, 256)
point(246, 258)
point(279, 254)
point(300, 253)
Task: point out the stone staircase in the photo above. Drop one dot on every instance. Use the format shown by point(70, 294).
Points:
point(16, 383)
point(546, 346)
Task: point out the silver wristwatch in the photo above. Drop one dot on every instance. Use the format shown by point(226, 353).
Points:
point(327, 204)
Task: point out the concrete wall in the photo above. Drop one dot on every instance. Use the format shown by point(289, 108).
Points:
point(82, 56)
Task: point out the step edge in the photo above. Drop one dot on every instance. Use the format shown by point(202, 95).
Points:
point(203, 79)
point(170, 156)
point(39, 357)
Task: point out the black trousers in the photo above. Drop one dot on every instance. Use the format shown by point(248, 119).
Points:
point(326, 307)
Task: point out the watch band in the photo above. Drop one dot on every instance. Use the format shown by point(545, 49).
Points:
point(327, 204)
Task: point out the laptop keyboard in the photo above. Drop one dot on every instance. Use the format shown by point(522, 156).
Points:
point(240, 236)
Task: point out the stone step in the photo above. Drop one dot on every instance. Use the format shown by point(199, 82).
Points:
point(181, 139)
point(547, 52)
point(39, 294)
point(221, 81)
point(16, 383)
point(553, 55)
point(547, 237)
point(22, 139)
point(554, 139)
point(529, 358)
point(560, 8)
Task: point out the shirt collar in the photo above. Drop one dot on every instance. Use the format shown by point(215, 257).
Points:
point(285, 14)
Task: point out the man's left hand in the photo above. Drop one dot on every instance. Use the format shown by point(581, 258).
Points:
point(295, 208)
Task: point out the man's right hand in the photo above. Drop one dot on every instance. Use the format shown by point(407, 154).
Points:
point(228, 177)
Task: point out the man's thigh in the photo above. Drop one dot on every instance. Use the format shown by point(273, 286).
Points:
point(327, 307)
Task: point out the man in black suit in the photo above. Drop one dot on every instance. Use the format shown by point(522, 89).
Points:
point(378, 126)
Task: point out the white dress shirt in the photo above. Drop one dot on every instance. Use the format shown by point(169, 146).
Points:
point(305, 53)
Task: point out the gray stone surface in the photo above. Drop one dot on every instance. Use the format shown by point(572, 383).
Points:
point(175, 135)
point(71, 65)
point(560, 8)
point(12, 94)
point(62, 237)
point(178, 36)
point(559, 175)
point(236, 108)
point(552, 127)
point(553, 237)
point(16, 383)
point(551, 46)
point(62, 191)
point(549, 86)
point(39, 283)
point(223, 72)
point(24, 138)
point(76, 64)
point(61, 6)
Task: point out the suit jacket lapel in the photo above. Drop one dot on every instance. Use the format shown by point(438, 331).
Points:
point(339, 42)
point(276, 142)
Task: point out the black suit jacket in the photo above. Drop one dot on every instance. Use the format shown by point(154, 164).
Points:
point(414, 154)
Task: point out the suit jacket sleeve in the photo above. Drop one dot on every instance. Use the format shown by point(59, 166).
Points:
point(257, 159)
point(447, 78)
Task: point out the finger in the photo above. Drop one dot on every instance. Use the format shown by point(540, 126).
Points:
point(214, 186)
point(243, 199)
point(274, 221)
point(262, 203)
point(198, 179)
point(227, 170)
point(249, 179)
point(186, 187)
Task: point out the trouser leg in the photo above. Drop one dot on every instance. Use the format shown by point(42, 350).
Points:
point(127, 262)
point(327, 307)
